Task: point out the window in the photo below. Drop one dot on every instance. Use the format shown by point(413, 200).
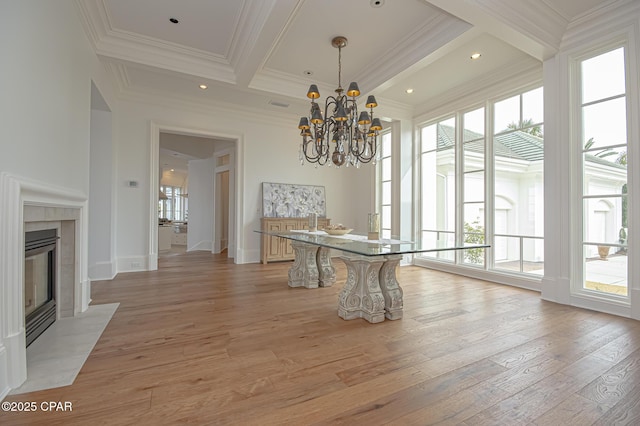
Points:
point(384, 185)
point(518, 147)
point(603, 147)
point(481, 180)
point(473, 159)
point(438, 186)
point(175, 206)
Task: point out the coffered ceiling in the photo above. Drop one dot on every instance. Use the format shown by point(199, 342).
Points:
point(263, 54)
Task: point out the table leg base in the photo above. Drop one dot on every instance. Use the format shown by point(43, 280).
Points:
point(304, 271)
point(325, 269)
point(393, 300)
point(361, 296)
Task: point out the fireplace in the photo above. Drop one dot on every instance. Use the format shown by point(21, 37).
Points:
point(40, 260)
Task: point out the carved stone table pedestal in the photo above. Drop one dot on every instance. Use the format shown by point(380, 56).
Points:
point(325, 268)
point(304, 271)
point(390, 287)
point(371, 292)
point(361, 296)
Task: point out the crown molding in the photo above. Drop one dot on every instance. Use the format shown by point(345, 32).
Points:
point(391, 110)
point(123, 45)
point(286, 84)
point(614, 14)
point(536, 20)
point(210, 106)
point(517, 75)
point(428, 38)
point(119, 75)
point(253, 18)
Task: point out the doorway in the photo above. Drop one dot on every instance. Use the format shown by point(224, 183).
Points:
point(228, 146)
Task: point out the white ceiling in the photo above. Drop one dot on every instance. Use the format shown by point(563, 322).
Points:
point(255, 52)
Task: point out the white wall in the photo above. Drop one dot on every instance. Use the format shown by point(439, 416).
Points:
point(201, 184)
point(269, 154)
point(47, 69)
point(101, 265)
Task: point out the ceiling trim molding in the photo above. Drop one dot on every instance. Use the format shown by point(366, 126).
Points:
point(285, 84)
point(391, 110)
point(431, 36)
point(615, 14)
point(536, 20)
point(213, 107)
point(119, 74)
point(123, 45)
point(253, 18)
point(516, 75)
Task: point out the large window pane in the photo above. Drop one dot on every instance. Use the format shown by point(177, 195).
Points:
point(473, 156)
point(603, 76)
point(533, 106)
point(605, 269)
point(386, 217)
point(386, 144)
point(386, 169)
point(384, 185)
point(386, 193)
point(473, 125)
point(474, 186)
point(518, 185)
point(438, 184)
point(605, 123)
point(604, 173)
point(506, 113)
point(439, 239)
point(429, 138)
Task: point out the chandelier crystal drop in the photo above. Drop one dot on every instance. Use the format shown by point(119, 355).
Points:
point(339, 136)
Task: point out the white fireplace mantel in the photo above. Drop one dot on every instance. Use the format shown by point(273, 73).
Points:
point(58, 204)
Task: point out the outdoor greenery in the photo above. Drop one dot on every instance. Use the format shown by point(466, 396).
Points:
point(527, 127)
point(474, 234)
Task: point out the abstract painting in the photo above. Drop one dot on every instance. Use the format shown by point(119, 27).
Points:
point(291, 200)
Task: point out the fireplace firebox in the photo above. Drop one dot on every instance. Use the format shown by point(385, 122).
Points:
point(39, 281)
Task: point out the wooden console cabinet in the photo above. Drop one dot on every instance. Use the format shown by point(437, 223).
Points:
point(274, 249)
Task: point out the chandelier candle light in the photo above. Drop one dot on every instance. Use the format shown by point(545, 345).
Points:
point(355, 136)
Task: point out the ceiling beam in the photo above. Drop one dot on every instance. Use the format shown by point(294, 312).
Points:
point(536, 29)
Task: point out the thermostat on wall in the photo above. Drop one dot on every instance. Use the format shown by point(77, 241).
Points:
point(132, 183)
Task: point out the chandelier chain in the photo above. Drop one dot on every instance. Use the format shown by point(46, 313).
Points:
point(340, 68)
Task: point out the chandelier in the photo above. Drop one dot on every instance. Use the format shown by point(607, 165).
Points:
point(354, 136)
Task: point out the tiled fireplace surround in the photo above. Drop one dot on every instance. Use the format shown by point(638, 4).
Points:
point(28, 206)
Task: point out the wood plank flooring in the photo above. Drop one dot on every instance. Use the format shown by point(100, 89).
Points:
point(204, 341)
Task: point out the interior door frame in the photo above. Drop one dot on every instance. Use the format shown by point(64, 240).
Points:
point(237, 235)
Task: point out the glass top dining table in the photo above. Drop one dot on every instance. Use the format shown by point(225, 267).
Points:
point(371, 290)
point(360, 244)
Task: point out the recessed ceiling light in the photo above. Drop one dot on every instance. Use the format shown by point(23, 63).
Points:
point(307, 72)
point(409, 91)
point(376, 3)
point(475, 55)
point(203, 86)
point(173, 170)
point(173, 20)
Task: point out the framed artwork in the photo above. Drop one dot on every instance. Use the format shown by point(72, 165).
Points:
point(292, 200)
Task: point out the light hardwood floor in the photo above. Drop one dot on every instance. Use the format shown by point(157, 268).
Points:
point(205, 341)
